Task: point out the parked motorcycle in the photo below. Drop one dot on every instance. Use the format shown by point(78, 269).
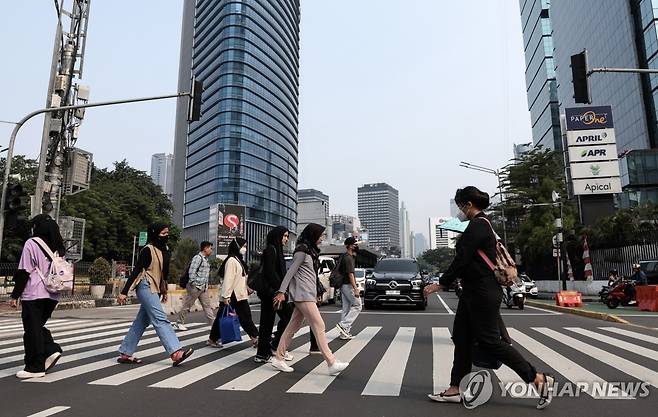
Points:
point(621, 294)
point(514, 296)
point(603, 294)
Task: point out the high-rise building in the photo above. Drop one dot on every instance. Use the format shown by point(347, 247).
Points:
point(379, 213)
point(420, 244)
point(521, 149)
point(541, 85)
point(313, 207)
point(162, 172)
point(405, 232)
point(244, 150)
point(454, 209)
point(344, 226)
point(440, 238)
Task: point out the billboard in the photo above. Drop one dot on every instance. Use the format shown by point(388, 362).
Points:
point(586, 118)
point(591, 137)
point(592, 153)
point(597, 186)
point(229, 223)
point(595, 169)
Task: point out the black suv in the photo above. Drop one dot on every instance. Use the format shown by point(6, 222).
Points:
point(395, 281)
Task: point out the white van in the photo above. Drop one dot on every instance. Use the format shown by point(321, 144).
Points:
point(327, 264)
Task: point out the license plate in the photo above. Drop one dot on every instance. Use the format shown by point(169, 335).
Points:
point(392, 292)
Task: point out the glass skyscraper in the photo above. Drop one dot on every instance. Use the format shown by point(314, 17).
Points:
point(244, 150)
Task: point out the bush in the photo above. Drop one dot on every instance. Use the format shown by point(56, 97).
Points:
point(100, 271)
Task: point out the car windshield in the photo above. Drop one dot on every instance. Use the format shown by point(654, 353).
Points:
point(525, 278)
point(397, 265)
point(359, 273)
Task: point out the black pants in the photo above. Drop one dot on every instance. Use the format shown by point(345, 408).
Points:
point(37, 340)
point(267, 317)
point(244, 314)
point(478, 321)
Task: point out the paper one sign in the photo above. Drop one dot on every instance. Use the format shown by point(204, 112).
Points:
point(595, 169)
point(591, 137)
point(230, 224)
point(585, 118)
point(592, 153)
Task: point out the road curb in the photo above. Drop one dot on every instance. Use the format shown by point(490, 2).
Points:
point(571, 310)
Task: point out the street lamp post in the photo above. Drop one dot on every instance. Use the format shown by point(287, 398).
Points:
point(497, 173)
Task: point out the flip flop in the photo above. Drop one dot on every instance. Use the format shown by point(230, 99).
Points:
point(185, 354)
point(129, 359)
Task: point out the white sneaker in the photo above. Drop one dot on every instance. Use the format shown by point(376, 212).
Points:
point(29, 375)
point(338, 367)
point(441, 398)
point(288, 357)
point(546, 394)
point(344, 337)
point(52, 360)
point(178, 326)
point(342, 330)
point(281, 365)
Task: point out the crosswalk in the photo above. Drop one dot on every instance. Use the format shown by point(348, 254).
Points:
point(604, 354)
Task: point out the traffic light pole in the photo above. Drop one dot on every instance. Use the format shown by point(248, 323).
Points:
point(631, 70)
point(20, 123)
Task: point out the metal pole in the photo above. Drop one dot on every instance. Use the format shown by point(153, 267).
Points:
point(502, 208)
point(132, 265)
point(560, 251)
point(20, 123)
point(627, 70)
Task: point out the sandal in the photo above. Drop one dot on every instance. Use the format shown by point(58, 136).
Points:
point(129, 359)
point(546, 392)
point(180, 355)
point(254, 342)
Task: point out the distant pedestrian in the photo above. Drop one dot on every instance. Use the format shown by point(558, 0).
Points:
point(477, 321)
point(350, 295)
point(300, 283)
point(149, 280)
point(639, 277)
point(234, 293)
point(41, 351)
point(197, 286)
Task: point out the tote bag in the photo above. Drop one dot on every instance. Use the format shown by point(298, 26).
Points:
point(229, 326)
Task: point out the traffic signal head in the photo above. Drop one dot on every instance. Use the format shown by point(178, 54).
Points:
point(580, 79)
point(15, 203)
point(194, 111)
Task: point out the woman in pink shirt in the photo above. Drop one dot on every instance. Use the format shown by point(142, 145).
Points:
point(41, 351)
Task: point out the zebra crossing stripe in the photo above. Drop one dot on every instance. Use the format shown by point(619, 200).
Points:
point(57, 334)
point(633, 335)
point(569, 369)
point(639, 372)
point(106, 363)
point(387, 378)
point(49, 412)
point(19, 327)
point(442, 353)
point(69, 325)
point(638, 350)
point(263, 373)
point(9, 321)
point(318, 380)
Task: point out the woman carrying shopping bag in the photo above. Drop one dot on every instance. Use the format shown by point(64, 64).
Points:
point(234, 293)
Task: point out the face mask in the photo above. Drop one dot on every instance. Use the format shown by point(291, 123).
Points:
point(163, 239)
point(243, 251)
point(462, 216)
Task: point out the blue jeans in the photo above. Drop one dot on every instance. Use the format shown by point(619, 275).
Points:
point(351, 307)
point(150, 312)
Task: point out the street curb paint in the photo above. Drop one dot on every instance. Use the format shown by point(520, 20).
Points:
point(591, 314)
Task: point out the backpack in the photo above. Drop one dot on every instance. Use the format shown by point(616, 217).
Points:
point(336, 278)
point(60, 274)
point(185, 279)
point(505, 267)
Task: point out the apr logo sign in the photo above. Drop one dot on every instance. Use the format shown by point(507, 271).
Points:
point(585, 118)
point(592, 153)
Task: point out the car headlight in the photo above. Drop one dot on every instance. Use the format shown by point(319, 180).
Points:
point(416, 283)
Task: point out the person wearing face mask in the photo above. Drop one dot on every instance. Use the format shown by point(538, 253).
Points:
point(477, 321)
point(149, 280)
point(235, 293)
point(349, 291)
point(300, 283)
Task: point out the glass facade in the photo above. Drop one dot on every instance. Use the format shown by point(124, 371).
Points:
point(244, 150)
point(540, 73)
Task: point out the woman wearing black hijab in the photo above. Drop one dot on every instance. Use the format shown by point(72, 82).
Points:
point(149, 280)
point(300, 283)
point(41, 351)
point(234, 292)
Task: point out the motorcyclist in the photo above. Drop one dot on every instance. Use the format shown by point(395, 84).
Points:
point(638, 276)
point(613, 278)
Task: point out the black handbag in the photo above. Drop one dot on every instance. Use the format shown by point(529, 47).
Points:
point(320, 288)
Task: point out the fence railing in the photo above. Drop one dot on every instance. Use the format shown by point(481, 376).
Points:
point(622, 258)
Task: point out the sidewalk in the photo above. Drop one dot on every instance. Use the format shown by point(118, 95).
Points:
point(596, 309)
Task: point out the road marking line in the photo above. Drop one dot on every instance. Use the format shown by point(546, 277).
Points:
point(639, 372)
point(58, 326)
point(445, 305)
point(19, 327)
point(630, 347)
point(554, 313)
point(263, 373)
point(57, 335)
point(638, 336)
point(443, 351)
point(50, 411)
point(569, 369)
point(106, 363)
point(388, 376)
point(318, 380)
point(10, 321)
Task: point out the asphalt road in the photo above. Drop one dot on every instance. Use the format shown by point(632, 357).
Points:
point(397, 357)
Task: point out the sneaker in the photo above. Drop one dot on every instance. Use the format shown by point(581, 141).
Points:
point(213, 344)
point(261, 359)
point(281, 365)
point(344, 337)
point(52, 360)
point(179, 326)
point(342, 330)
point(546, 392)
point(442, 398)
point(338, 367)
point(29, 375)
point(314, 352)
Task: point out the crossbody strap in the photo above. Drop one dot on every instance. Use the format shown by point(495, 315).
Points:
point(481, 252)
point(44, 247)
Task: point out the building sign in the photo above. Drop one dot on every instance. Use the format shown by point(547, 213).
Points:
point(595, 169)
point(591, 137)
point(597, 186)
point(227, 221)
point(592, 153)
point(585, 118)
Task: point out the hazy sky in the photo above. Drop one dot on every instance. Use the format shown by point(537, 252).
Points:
point(395, 91)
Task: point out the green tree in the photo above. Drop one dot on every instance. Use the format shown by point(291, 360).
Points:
point(181, 257)
point(436, 260)
point(100, 271)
